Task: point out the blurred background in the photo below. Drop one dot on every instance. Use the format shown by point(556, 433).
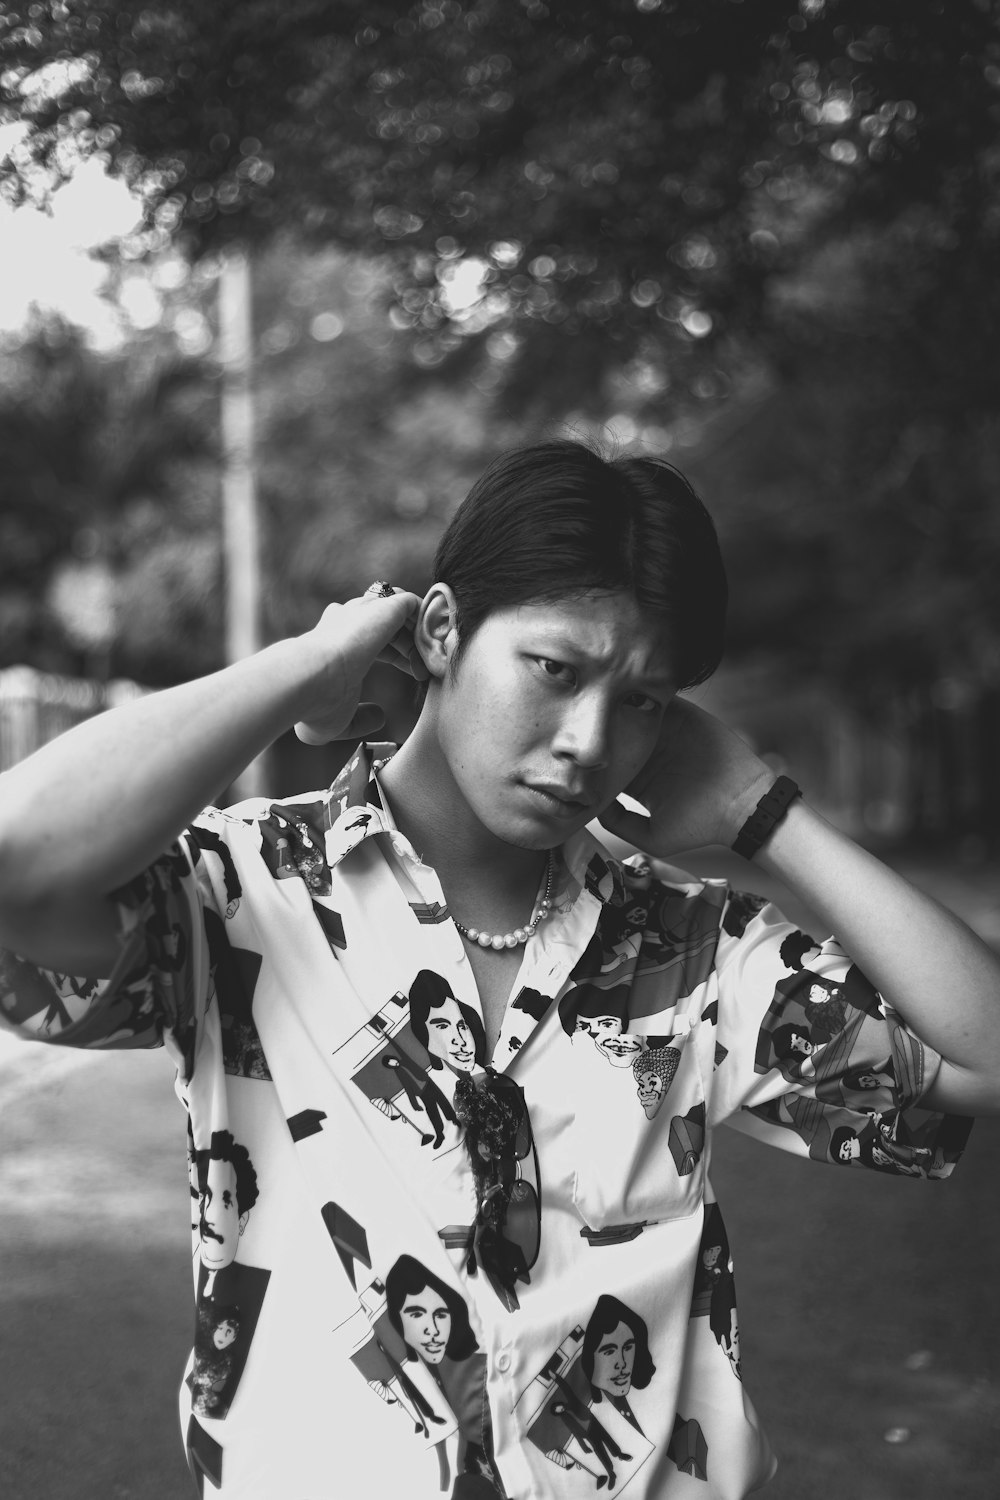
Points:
point(277, 279)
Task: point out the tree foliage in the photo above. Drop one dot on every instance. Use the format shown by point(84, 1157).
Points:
point(771, 225)
point(648, 167)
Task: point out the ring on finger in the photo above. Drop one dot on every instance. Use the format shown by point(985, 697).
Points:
point(380, 588)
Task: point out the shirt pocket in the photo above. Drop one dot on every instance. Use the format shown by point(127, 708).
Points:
point(641, 1154)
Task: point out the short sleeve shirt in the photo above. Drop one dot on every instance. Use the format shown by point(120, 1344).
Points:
point(363, 1324)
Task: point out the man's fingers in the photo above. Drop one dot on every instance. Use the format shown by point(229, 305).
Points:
point(366, 719)
point(631, 827)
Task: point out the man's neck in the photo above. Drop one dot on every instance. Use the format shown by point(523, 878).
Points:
point(431, 812)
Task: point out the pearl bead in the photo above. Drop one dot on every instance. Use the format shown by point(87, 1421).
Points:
point(472, 933)
point(498, 941)
point(484, 940)
point(522, 934)
point(511, 940)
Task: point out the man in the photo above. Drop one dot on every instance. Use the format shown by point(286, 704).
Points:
point(574, 599)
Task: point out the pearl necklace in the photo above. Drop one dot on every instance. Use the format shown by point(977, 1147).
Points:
point(519, 935)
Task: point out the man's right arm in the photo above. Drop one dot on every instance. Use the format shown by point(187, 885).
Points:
point(90, 810)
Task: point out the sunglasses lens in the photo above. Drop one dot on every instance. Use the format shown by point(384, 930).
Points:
point(523, 1220)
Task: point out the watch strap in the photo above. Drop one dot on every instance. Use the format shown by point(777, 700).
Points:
point(765, 817)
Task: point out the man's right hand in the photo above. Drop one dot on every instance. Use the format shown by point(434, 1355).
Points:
point(346, 643)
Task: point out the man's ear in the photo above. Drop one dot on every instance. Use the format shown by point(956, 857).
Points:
point(436, 633)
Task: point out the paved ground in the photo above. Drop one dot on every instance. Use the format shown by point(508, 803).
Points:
point(870, 1309)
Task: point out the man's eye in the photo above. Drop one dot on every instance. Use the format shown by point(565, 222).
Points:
point(556, 669)
point(643, 702)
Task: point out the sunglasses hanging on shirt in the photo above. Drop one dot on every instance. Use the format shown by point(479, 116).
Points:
point(507, 1232)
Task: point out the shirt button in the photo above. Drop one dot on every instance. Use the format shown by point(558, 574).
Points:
point(503, 1361)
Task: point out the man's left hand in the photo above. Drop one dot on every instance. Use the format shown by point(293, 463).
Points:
point(700, 785)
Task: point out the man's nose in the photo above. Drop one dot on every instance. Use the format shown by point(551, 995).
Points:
point(584, 731)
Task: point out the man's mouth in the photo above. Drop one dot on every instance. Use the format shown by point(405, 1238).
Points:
point(556, 798)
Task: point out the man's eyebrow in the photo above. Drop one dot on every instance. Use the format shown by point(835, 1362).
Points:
point(569, 645)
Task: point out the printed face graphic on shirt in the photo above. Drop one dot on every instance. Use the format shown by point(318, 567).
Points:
point(614, 1360)
point(449, 1036)
point(221, 1223)
point(225, 1333)
point(614, 1045)
point(849, 1149)
point(653, 1072)
point(620, 1048)
point(426, 1324)
point(651, 1087)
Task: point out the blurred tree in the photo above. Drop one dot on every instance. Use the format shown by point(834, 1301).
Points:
point(110, 519)
point(99, 453)
point(646, 168)
point(762, 234)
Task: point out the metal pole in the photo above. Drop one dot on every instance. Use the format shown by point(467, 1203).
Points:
point(240, 529)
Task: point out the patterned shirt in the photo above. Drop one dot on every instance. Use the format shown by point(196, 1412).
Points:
point(388, 1301)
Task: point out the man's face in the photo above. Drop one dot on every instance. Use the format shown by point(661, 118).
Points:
point(849, 1150)
point(551, 711)
point(800, 1043)
point(449, 1037)
point(426, 1324)
point(614, 1359)
point(220, 1216)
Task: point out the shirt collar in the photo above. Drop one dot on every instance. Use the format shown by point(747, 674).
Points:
point(354, 808)
point(356, 812)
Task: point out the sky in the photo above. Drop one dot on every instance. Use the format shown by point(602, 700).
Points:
point(47, 258)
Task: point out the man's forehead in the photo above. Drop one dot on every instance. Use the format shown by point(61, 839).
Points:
point(604, 628)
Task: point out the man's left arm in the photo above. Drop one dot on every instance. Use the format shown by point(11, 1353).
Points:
point(701, 784)
point(938, 975)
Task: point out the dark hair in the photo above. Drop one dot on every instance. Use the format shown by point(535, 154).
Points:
point(783, 1041)
point(429, 992)
point(589, 1000)
point(409, 1277)
point(225, 1148)
point(558, 519)
point(840, 1137)
point(794, 949)
point(607, 1314)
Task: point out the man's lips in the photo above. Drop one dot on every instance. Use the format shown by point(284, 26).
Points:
point(564, 801)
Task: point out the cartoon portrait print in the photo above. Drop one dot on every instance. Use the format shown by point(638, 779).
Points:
point(451, 1032)
point(230, 1294)
point(714, 1292)
point(422, 1355)
point(579, 1407)
point(227, 1191)
point(429, 1316)
point(601, 1015)
point(408, 1057)
point(654, 1070)
point(215, 1338)
point(615, 1355)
